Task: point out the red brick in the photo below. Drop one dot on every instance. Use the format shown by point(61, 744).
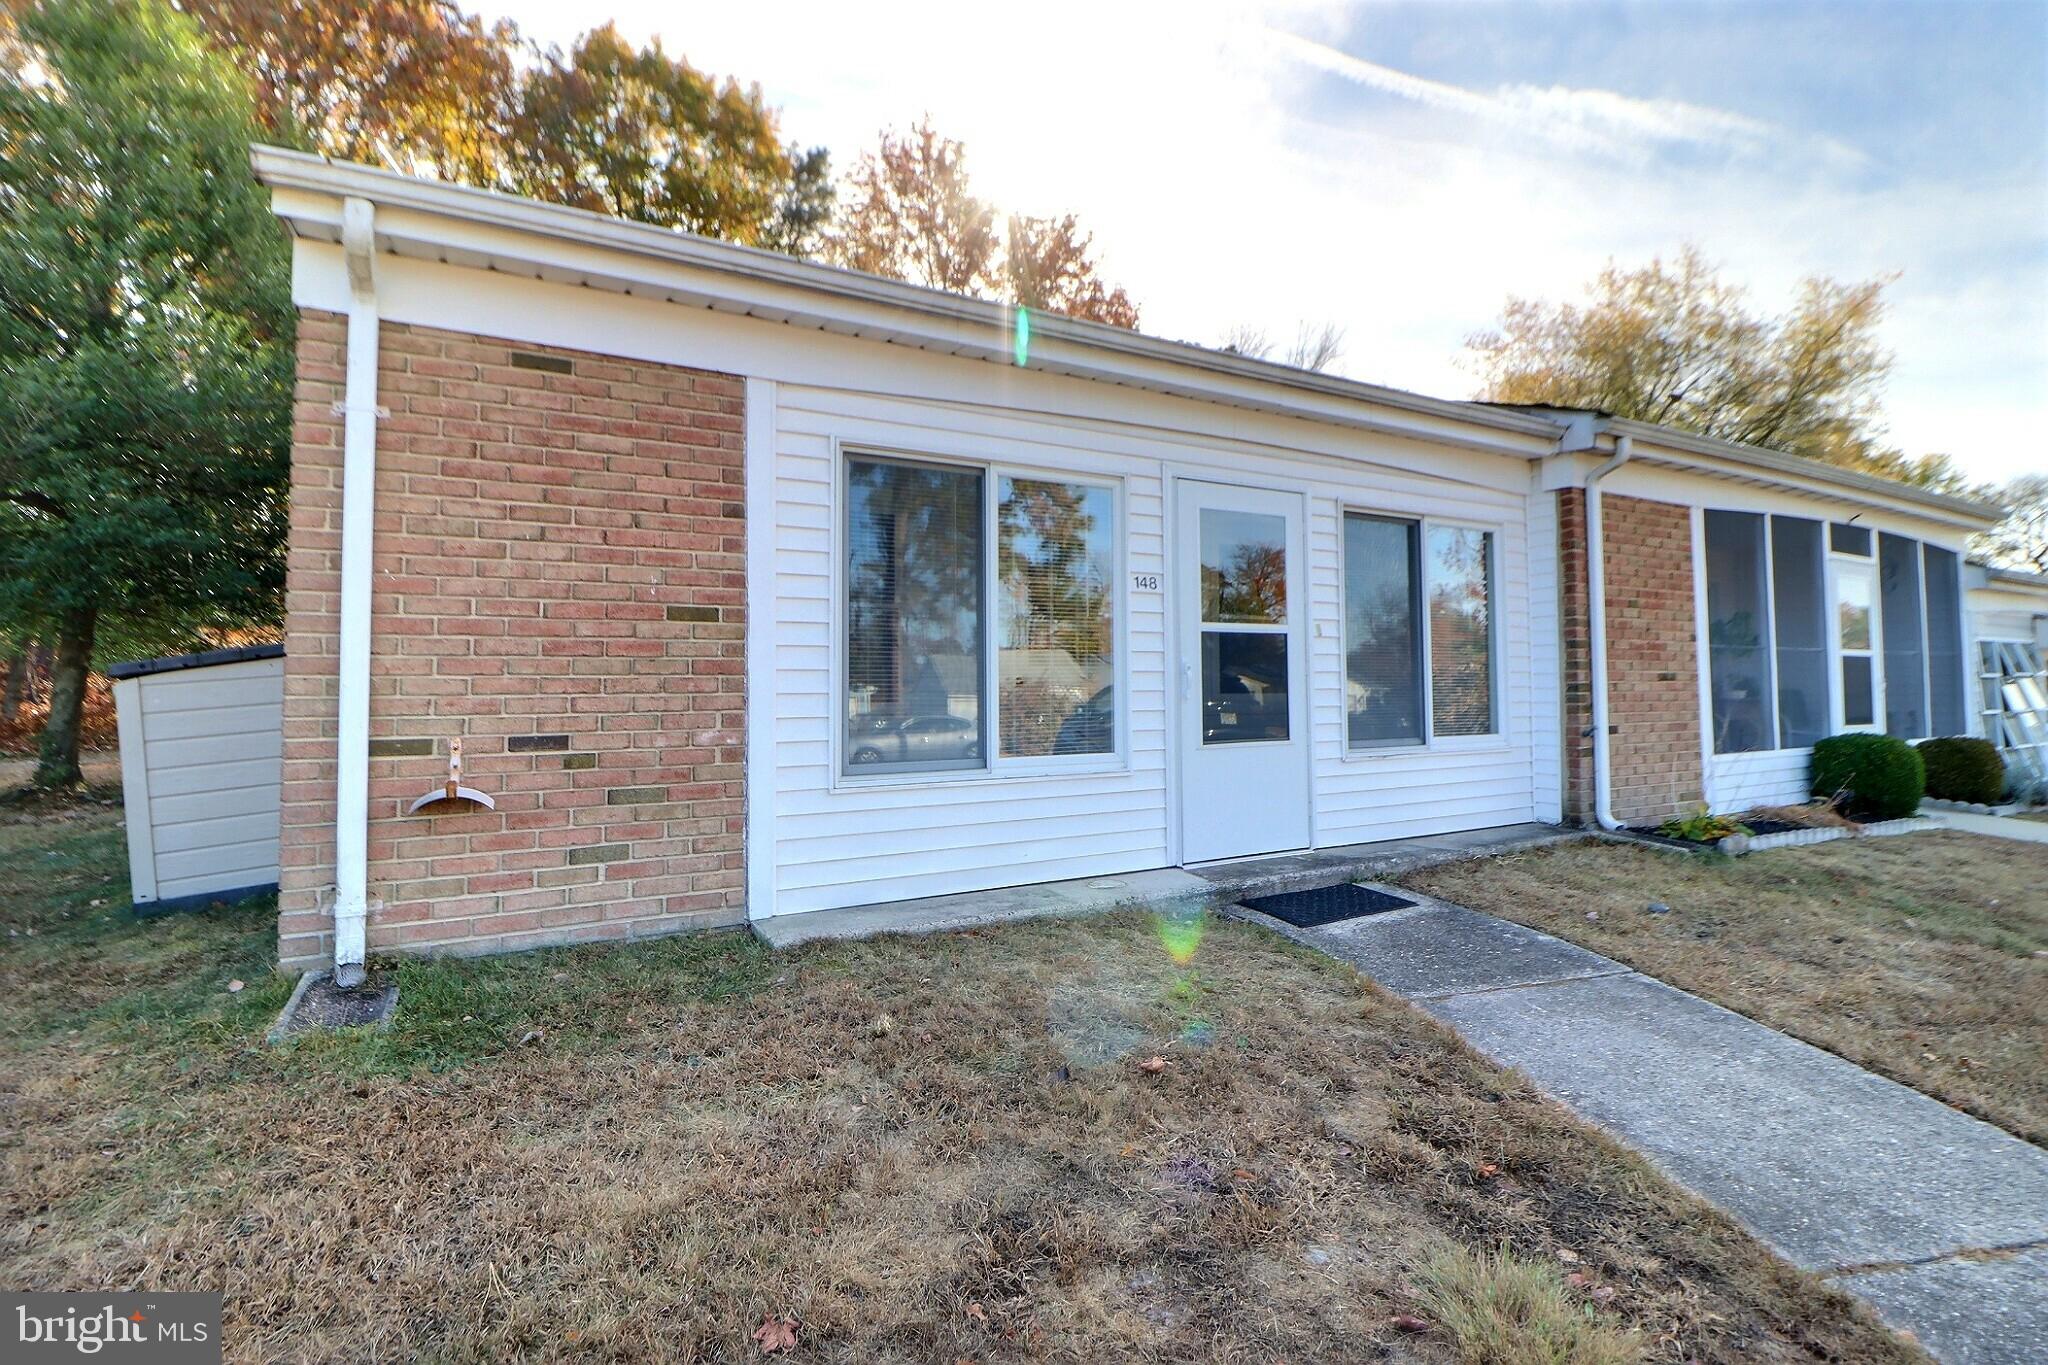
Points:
point(527, 549)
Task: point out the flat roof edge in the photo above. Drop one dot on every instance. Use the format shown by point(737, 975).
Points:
point(283, 168)
point(241, 654)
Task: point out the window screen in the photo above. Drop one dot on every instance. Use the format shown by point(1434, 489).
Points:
point(1849, 540)
point(1799, 603)
point(1460, 631)
point(1945, 704)
point(1738, 633)
point(1055, 569)
point(1905, 656)
point(914, 642)
point(1382, 631)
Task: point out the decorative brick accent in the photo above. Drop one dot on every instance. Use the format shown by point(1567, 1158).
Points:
point(1653, 700)
point(536, 524)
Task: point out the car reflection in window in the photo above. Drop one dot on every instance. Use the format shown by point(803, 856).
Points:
point(1244, 687)
point(913, 739)
point(1089, 728)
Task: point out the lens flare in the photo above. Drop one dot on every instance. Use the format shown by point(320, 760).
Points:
point(1020, 337)
point(1180, 933)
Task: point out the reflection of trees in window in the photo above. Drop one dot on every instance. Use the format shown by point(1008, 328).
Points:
point(914, 565)
point(1383, 630)
point(1253, 587)
point(1054, 558)
point(1460, 631)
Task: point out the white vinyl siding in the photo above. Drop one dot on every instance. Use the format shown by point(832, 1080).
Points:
point(840, 840)
point(201, 760)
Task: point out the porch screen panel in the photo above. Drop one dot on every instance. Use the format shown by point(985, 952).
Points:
point(914, 684)
point(1945, 705)
point(1739, 633)
point(1055, 575)
point(1799, 604)
point(1382, 631)
point(1905, 652)
point(1460, 631)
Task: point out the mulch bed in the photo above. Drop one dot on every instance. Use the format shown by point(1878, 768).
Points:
point(1657, 836)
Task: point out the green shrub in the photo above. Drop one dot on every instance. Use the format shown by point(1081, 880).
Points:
point(1963, 769)
point(1875, 777)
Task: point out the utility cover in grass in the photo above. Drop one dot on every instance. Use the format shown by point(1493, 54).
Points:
point(1325, 904)
point(320, 1004)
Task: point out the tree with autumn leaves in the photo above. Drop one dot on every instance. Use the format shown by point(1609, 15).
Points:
point(910, 213)
point(636, 132)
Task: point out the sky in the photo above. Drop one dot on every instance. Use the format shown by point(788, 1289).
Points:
point(1401, 169)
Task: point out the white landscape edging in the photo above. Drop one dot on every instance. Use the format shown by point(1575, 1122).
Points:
point(1979, 808)
point(1735, 845)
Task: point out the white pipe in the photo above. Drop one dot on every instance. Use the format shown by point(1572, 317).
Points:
point(359, 476)
point(1596, 608)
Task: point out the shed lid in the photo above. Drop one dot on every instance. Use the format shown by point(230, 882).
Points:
point(241, 654)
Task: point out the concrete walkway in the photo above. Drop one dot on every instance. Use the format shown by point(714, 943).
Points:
point(1938, 1220)
point(1996, 826)
point(1165, 888)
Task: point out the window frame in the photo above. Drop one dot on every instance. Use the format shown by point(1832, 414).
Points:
point(993, 466)
point(1865, 566)
point(1496, 737)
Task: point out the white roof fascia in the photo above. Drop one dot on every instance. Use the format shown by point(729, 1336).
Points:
point(461, 225)
point(466, 226)
point(1775, 468)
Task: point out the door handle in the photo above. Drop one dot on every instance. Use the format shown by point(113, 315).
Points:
point(1187, 678)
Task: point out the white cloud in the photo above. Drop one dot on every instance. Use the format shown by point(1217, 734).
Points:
point(1219, 195)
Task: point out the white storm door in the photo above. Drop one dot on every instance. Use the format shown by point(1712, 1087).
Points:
point(1242, 680)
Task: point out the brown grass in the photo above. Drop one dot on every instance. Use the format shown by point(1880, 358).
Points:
point(921, 1149)
point(1924, 958)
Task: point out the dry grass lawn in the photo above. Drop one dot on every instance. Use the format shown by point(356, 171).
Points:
point(1924, 958)
point(934, 1149)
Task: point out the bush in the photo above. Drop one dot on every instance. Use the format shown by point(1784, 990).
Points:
point(1963, 769)
point(1875, 777)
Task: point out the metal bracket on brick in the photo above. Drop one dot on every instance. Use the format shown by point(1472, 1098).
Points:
point(451, 796)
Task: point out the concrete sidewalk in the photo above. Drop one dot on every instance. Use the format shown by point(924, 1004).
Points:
point(1938, 1220)
point(1993, 826)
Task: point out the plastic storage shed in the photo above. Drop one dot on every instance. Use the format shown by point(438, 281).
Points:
point(201, 759)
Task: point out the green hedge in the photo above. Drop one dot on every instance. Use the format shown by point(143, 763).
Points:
point(1963, 769)
point(1875, 777)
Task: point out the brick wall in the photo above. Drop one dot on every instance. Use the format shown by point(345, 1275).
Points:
point(1653, 700)
point(559, 581)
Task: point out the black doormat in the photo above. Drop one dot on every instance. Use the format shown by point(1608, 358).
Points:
point(1325, 904)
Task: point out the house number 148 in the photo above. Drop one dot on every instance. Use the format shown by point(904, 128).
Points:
point(1145, 582)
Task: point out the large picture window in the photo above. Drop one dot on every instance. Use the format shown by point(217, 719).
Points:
point(1383, 632)
point(914, 647)
point(1460, 631)
point(1418, 632)
point(975, 631)
point(1056, 567)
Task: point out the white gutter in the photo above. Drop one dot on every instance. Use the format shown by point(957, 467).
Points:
point(466, 226)
point(359, 475)
point(1596, 608)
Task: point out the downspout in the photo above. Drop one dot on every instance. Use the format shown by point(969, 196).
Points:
point(359, 476)
point(1596, 608)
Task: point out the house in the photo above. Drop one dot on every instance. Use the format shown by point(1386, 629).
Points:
point(754, 587)
point(2008, 613)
